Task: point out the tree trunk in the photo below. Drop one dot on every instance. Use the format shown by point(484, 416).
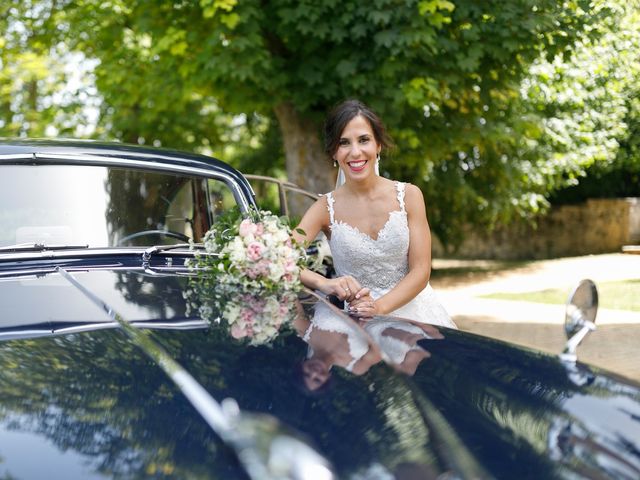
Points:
point(307, 164)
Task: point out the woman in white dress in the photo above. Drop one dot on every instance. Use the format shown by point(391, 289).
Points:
point(377, 228)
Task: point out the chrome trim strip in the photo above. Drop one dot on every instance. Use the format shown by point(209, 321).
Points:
point(179, 271)
point(87, 253)
point(90, 327)
point(17, 156)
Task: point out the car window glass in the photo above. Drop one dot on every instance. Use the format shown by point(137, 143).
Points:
point(220, 197)
point(100, 206)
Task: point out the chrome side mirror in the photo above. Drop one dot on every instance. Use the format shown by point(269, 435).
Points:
point(582, 307)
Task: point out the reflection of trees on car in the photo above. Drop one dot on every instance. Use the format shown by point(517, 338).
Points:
point(74, 380)
point(160, 295)
point(149, 423)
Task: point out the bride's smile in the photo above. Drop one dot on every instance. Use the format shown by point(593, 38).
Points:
point(357, 166)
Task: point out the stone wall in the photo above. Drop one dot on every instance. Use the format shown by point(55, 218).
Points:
point(595, 226)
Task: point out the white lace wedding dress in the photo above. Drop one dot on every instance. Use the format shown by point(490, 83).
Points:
point(381, 263)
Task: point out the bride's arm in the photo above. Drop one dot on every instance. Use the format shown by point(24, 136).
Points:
point(346, 287)
point(419, 260)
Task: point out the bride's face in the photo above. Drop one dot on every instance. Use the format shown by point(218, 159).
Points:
point(357, 149)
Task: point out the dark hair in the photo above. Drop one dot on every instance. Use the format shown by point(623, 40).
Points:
point(342, 114)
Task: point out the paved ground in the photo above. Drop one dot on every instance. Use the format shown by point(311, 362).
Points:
point(614, 346)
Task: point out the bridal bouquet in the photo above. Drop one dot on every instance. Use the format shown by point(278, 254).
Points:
point(248, 275)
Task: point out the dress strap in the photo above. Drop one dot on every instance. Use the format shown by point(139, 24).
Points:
point(307, 333)
point(351, 364)
point(400, 188)
point(330, 202)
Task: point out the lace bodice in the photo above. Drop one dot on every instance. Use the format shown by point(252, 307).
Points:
point(381, 263)
point(378, 263)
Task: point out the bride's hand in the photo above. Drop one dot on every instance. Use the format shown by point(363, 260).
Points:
point(365, 309)
point(345, 288)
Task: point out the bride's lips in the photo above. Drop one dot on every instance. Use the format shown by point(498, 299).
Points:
point(357, 166)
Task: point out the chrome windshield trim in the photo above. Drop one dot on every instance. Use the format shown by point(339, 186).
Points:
point(86, 159)
point(179, 271)
point(28, 333)
point(17, 156)
point(90, 252)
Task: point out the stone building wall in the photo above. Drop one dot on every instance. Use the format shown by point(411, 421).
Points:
point(595, 226)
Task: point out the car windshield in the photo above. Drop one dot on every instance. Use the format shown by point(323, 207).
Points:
point(101, 206)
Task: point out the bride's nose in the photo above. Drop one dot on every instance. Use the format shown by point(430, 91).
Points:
point(355, 150)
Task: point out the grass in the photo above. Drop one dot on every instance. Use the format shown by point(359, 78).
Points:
point(620, 295)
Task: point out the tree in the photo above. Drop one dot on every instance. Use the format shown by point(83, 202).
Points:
point(585, 105)
point(442, 74)
point(31, 74)
point(606, 146)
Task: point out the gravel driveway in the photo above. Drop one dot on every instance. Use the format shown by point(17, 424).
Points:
point(615, 345)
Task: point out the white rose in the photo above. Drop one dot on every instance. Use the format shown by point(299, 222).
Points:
point(276, 271)
point(237, 252)
point(271, 227)
point(281, 236)
point(231, 313)
point(247, 240)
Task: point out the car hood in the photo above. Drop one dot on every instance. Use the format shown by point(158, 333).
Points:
point(79, 391)
point(50, 302)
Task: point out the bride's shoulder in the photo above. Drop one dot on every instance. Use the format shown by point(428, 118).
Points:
point(410, 190)
point(318, 210)
point(413, 199)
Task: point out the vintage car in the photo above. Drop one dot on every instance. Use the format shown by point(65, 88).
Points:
point(107, 372)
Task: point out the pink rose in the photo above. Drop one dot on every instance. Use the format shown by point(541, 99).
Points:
point(259, 229)
point(248, 317)
point(254, 251)
point(237, 331)
point(263, 267)
point(247, 227)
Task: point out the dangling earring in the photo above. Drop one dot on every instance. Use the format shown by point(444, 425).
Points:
point(377, 165)
point(335, 164)
point(378, 157)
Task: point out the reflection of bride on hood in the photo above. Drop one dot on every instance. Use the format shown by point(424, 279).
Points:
point(398, 340)
point(333, 340)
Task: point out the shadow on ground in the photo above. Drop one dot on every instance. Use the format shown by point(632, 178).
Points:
point(459, 273)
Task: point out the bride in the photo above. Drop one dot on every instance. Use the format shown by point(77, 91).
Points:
point(377, 228)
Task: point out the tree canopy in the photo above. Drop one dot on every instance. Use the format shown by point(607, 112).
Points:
point(493, 105)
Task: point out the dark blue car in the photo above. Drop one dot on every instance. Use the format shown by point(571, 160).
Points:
point(107, 372)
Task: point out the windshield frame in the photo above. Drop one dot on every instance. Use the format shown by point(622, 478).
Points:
point(238, 186)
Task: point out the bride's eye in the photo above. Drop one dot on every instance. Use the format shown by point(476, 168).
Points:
point(364, 139)
point(343, 142)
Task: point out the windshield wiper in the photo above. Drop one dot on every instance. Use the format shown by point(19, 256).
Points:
point(39, 247)
point(149, 252)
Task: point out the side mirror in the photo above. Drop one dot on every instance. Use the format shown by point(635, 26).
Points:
point(582, 307)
